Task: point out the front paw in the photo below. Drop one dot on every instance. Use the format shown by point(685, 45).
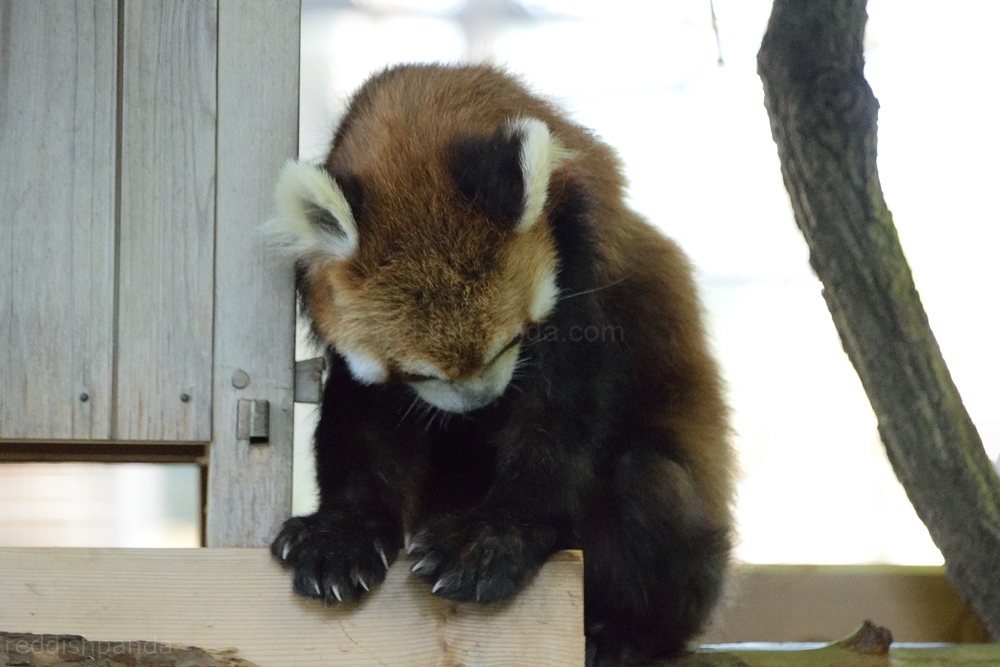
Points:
point(465, 558)
point(337, 558)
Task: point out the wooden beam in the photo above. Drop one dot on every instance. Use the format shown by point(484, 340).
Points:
point(241, 598)
point(250, 481)
point(810, 603)
point(869, 646)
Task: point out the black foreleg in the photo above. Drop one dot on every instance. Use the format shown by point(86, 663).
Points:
point(367, 465)
point(653, 563)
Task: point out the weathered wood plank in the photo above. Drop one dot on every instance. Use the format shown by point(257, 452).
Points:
point(167, 222)
point(58, 66)
point(250, 485)
point(26, 650)
point(219, 598)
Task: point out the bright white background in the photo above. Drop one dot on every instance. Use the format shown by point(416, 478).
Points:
point(100, 505)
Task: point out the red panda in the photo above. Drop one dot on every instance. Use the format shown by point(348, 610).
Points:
point(517, 365)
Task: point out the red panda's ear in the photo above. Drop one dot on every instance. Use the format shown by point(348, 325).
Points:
point(505, 175)
point(540, 155)
point(315, 216)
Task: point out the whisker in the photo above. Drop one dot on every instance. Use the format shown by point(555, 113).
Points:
point(529, 341)
point(423, 410)
point(415, 400)
point(592, 290)
point(445, 419)
point(433, 412)
point(521, 366)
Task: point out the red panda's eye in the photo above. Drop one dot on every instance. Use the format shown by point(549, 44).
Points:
point(513, 342)
point(414, 377)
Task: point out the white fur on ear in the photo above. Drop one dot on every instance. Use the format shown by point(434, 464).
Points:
point(541, 153)
point(314, 214)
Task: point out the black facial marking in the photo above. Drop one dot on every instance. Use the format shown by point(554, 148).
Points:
point(487, 170)
point(354, 193)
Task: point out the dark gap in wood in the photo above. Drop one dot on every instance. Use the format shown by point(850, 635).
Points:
point(102, 452)
point(116, 268)
point(203, 514)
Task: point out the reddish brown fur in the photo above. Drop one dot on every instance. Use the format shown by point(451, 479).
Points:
point(393, 142)
point(423, 269)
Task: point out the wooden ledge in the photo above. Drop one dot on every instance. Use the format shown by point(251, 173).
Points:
point(819, 603)
point(868, 646)
point(241, 598)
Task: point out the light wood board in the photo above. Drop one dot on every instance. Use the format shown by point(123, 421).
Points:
point(808, 603)
point(250, 485)
point(57, 192)
point(167, 227)
point(240, 598)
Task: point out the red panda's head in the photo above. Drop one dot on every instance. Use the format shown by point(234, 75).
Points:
point(426, 255)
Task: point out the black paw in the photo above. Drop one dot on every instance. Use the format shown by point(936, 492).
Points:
point(629, 644)
point(337, 559)
point(601, 655)
point(466, 559)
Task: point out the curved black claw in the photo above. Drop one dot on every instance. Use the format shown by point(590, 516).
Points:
point(466, 559)
point(337, 559)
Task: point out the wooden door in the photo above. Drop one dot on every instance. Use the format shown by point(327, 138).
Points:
point(139, 144)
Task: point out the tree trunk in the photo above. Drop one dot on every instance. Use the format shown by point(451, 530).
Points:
point(823, 119)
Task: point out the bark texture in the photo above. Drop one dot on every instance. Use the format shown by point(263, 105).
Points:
point(27, 650)
point(823, 119)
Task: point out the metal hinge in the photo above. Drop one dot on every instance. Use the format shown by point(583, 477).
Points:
point(309, 380)
point(253, 421)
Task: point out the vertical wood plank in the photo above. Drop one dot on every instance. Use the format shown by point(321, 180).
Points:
point(167, 222)
point(250, 485)
point(58, 69)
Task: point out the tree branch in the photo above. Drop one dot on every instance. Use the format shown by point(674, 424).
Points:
point(823, 119)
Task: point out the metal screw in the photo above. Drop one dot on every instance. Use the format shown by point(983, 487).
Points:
point(240, 379)
point(185, 398)
point(84, 397)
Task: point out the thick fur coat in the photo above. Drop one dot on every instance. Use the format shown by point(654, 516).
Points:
point(517, 365)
